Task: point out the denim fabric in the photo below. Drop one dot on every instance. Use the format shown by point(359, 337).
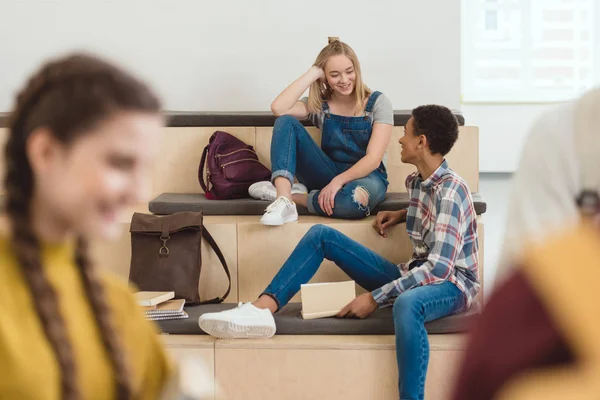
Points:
point(371, 271)
point(344, 142)
point(412, 309)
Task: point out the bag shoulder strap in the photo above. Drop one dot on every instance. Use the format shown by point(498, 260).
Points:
point(208, 237)
point(201, 170)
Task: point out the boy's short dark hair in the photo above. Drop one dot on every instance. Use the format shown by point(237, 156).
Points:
point(439, 126)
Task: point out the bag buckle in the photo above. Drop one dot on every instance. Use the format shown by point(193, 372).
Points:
point(164, 250)
point(589, 202)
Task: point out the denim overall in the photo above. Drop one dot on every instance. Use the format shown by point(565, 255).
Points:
point(344, 143)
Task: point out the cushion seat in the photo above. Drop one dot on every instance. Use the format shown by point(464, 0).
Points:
point(290, 322)
point(170, 203)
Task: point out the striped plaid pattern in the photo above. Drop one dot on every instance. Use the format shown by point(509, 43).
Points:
point(442, 227)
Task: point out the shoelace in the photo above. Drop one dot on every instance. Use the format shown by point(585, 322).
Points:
point(278, 204)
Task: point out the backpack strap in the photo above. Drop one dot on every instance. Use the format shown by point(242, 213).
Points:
point(201, 175)
point(208, 237)
point(587, 145)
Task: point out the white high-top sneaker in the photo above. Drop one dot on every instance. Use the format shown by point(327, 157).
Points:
point(265, 190)
point(279, 212)
point(243, 322)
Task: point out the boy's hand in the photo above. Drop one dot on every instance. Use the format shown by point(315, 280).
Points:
point(361, 307)
point(385, 219)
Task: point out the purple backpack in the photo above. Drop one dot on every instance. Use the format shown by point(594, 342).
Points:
point(232, 167)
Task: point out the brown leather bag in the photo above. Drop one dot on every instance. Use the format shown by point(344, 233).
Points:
point(166, 254)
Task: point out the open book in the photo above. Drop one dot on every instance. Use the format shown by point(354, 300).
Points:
point(321, 300)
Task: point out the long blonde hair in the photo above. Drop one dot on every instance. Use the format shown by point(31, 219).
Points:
point(319, 92)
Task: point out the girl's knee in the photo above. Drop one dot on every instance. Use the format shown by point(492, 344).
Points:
point(352, 203)
point(285, 121)
point(361, 196)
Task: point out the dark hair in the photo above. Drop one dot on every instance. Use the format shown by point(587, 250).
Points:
point(68, 96)
point(439, 126)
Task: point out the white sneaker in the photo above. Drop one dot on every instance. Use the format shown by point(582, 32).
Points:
point(265, 190)
point(243, 322)
point(279, 212)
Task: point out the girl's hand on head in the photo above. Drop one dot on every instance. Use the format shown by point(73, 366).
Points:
point(318, 73)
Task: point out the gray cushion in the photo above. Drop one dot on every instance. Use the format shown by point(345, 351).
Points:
point(170, 203)
point(290, 322)
point(252, 118)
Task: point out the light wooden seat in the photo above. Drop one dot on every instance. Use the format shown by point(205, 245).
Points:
point(288, 367)
point(307, 367)
point(254, 252)
point(181, 148)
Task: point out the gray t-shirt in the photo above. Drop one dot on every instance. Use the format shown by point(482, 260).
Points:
point(383, 113)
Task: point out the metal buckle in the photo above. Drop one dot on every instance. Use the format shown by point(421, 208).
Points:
point(164, 250)
point(589, 202)
point(208, 179)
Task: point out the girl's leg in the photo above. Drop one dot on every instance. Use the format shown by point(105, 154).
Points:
point(295, 153)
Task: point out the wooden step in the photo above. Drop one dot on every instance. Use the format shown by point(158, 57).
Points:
point(255, 252)
point(176, 169)
point(332, 367)
point(195, 359)
point(464, 157)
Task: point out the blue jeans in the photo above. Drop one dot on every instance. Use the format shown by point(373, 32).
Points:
point(295, 153)
point(411, 309)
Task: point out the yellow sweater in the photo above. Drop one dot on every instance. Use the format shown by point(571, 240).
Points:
point(28, 367)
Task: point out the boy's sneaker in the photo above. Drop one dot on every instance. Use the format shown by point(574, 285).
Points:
point(243, 322)
point(279, 212)
point(265, 190)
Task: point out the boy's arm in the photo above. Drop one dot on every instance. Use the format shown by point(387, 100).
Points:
point(439, 266)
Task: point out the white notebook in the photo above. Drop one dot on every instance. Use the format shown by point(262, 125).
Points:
point(322, 300)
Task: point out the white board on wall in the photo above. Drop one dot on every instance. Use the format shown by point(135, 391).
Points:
point(237, 55)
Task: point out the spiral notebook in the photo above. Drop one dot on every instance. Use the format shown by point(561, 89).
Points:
point(182, 315)
point(172, 309)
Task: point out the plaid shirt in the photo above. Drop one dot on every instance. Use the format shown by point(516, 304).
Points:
point(442, 227)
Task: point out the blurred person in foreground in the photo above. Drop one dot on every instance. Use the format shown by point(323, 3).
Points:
point(82, 140)
point(538, 335)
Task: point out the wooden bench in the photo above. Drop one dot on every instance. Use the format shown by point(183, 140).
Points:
point(290, 367)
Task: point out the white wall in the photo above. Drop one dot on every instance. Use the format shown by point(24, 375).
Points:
point(503, 129)
point(236, 55)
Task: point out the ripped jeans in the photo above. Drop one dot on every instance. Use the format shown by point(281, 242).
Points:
point(295, 153)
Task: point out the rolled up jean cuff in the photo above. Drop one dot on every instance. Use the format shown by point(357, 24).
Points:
point(284, 173)
point(309, 202)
